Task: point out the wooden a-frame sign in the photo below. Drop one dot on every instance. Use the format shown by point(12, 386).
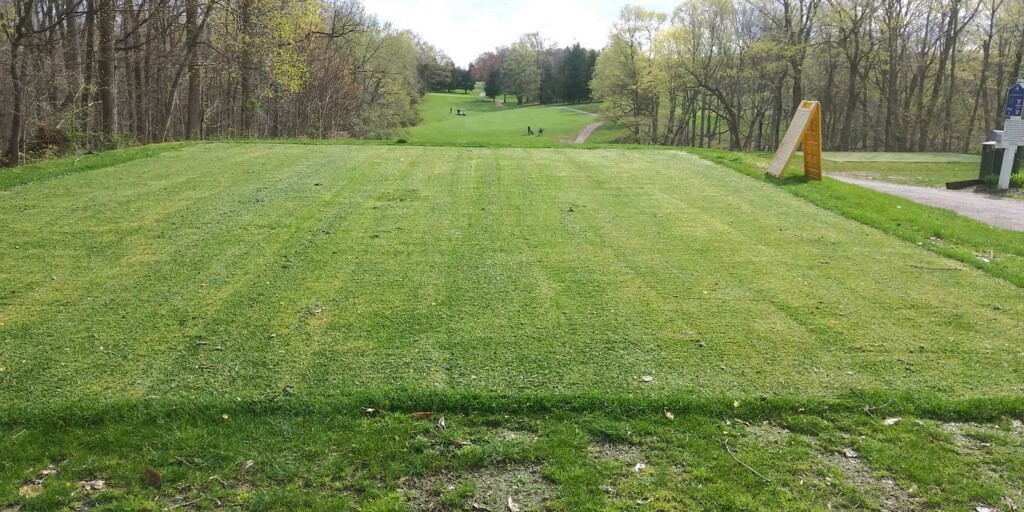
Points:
point(805, 131)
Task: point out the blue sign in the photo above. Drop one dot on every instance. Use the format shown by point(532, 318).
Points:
point(1015, 100)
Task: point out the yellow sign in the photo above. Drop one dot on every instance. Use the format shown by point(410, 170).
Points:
point(804, 130)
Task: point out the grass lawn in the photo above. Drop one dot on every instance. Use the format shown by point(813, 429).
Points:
point(488, 124)
point(908, 173)
point(436, 105)
point(219, 303)
point(881, 156)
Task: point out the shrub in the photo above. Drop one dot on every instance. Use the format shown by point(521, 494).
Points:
point(1017, 180)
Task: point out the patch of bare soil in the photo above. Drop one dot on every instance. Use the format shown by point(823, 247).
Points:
point(491, 486)
point(626, 454)
point(768, 433)
point(884, 490)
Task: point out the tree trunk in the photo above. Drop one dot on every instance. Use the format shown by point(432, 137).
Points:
point(106, 70)
point(195, 105)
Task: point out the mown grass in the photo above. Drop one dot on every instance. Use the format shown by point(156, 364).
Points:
point(232, 302)
point(489, 125)
point(907, 173)
point(908, 157)
point(11, 177)
point(277, 455)
point(941, 231)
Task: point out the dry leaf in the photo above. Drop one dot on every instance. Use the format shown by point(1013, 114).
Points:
point(154, 478)
point(93, 485)
point(441, 424)
point(513, 506)
point(245, 467)
point(422, 415)
point(647, 378)
point(890, 421)
point(982, 508)
point(460, 443)
point(479, 506)
point(669, 415)
point(30, 490)
point(639, 467)
point(369, 410)
point(850, 454)
point(10, 508)
point(735, 404)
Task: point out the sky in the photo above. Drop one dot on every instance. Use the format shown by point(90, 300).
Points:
point(466, 28)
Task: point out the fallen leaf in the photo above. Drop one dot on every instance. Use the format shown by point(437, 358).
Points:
point(441, 424)
point(639, 467)
point(513, 506)
point(11, 508)
point(154, 478)
point(422, 415)
point(460, 443)
point(669, 415)
point(30, 490)
point(735, 404)
point(479, 506)
point(982, 508)
point(369, 410)
point(245, 467)
point(93, 485)
point(890, 421)
point(850, 454)
point(647, 378)
point(224, 416)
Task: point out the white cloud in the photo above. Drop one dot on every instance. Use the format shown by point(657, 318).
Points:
point(466, 28)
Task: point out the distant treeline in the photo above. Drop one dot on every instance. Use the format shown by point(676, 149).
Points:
point(84, 74)
point(898, 75)
point(535, 73)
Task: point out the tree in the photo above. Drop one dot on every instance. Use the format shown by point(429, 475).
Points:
point(492, 85)
point(625, 76)
point(521, 68)
point(461, 79)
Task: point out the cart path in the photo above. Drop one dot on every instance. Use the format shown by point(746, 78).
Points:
point(586, 132)
point(998, 211)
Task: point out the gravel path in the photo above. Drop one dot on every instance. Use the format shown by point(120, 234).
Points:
point(587, 131)
point(1002, 212)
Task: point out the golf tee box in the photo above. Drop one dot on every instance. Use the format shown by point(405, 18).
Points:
point(805, 131)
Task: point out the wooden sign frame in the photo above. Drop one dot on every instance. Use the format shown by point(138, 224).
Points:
point(804, 131)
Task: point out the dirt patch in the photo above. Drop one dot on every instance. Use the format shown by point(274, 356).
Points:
point(626, 454)
point(490, 487)
point(889, 495)
point(522, 436)
point(965, 442)
point(767, 433)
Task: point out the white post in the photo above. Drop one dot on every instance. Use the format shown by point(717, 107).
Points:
point(1013, 130)
point(1004, 172)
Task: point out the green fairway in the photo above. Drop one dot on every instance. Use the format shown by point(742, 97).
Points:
point(488, 124)
point(195, 307)
point(438, 106)
point(334, 270)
